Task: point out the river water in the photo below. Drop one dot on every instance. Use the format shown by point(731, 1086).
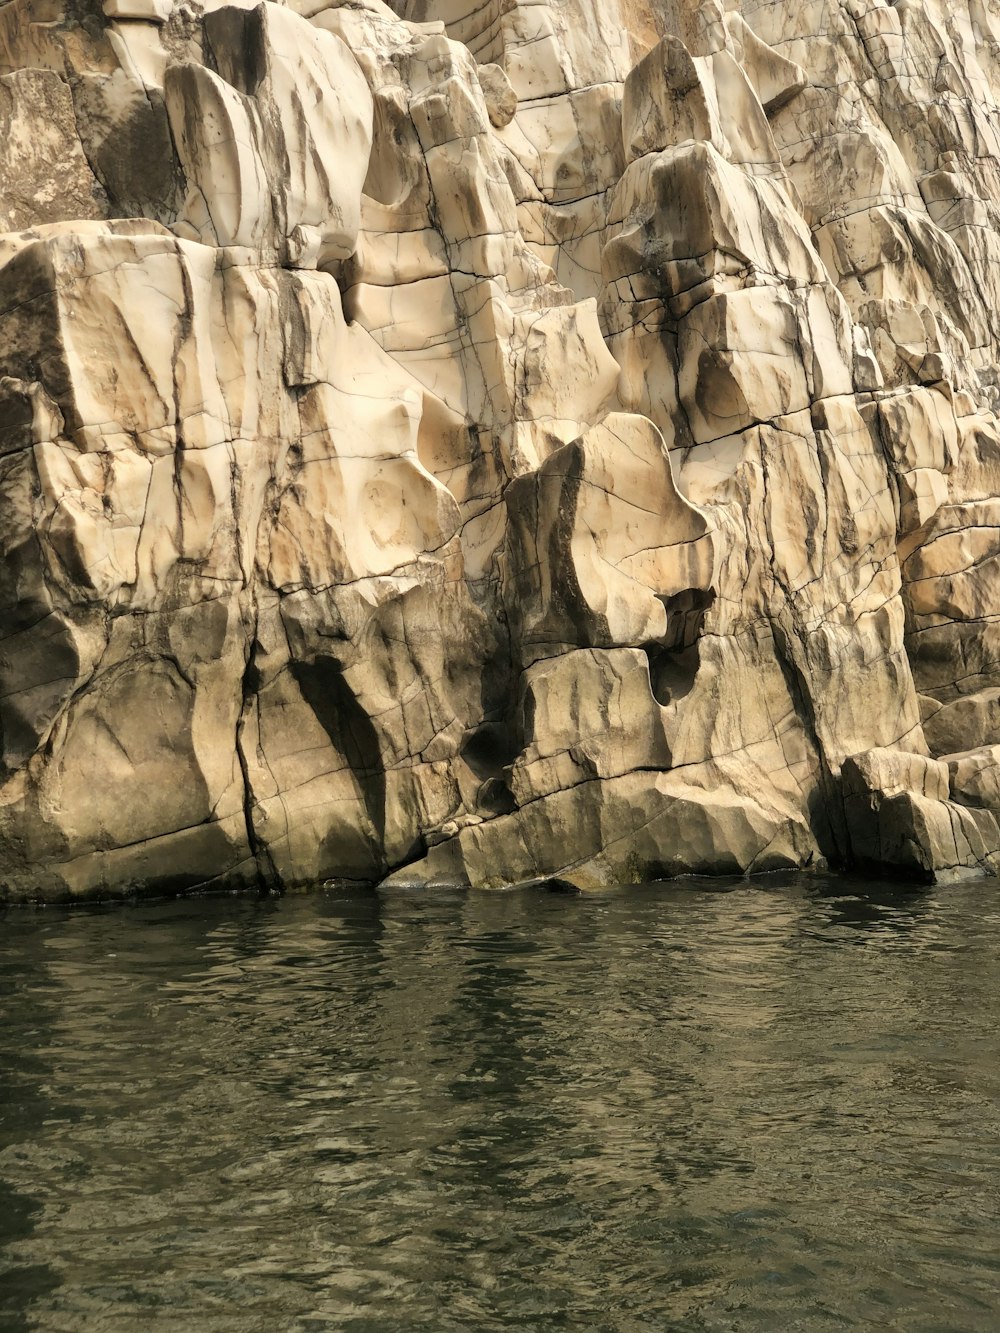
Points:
point(770, 1107)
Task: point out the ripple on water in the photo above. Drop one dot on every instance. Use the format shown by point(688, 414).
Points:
point(774, 1107)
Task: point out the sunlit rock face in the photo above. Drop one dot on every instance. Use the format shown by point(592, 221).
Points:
point(475, 443)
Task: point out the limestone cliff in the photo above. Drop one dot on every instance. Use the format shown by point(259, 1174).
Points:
point(476, 440)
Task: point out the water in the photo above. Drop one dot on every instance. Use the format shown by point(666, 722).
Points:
point(771, 1108)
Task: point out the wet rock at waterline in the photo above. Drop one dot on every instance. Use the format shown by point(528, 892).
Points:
point(497, 443)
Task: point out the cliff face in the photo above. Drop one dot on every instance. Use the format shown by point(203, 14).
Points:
point(474, 442)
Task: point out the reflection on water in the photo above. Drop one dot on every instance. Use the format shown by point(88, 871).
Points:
point(774, 1107)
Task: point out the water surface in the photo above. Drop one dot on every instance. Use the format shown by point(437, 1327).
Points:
point(768, 1108)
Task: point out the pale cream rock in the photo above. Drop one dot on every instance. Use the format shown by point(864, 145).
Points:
point(315, 112)
point(737, 364)
point(589, 714)
point(600, 542)
point(900, 816)
point(624, 830)
point(218, 133)
point(673, 96)
point(775, 80)
point(475, 444)
point(558, 48)
point(501, 99)
point(974, 777)
point(148, 11)
point(698, 225)
point(569, 145)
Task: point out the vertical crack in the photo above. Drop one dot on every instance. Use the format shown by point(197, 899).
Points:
point(268, 875)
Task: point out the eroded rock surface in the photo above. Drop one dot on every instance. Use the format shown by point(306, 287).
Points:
point(478, 443)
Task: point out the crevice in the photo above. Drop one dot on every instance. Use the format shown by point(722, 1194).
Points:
point(267, 872)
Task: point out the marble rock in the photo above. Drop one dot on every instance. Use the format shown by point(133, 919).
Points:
point(44, 174)
point(902, 818)
point(475, 444)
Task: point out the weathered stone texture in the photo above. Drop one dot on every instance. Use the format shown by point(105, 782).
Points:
point(478, 443)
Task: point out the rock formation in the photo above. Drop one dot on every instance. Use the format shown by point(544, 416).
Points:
point(476, 442)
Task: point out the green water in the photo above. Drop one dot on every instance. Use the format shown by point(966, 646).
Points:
point(767, 1108)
